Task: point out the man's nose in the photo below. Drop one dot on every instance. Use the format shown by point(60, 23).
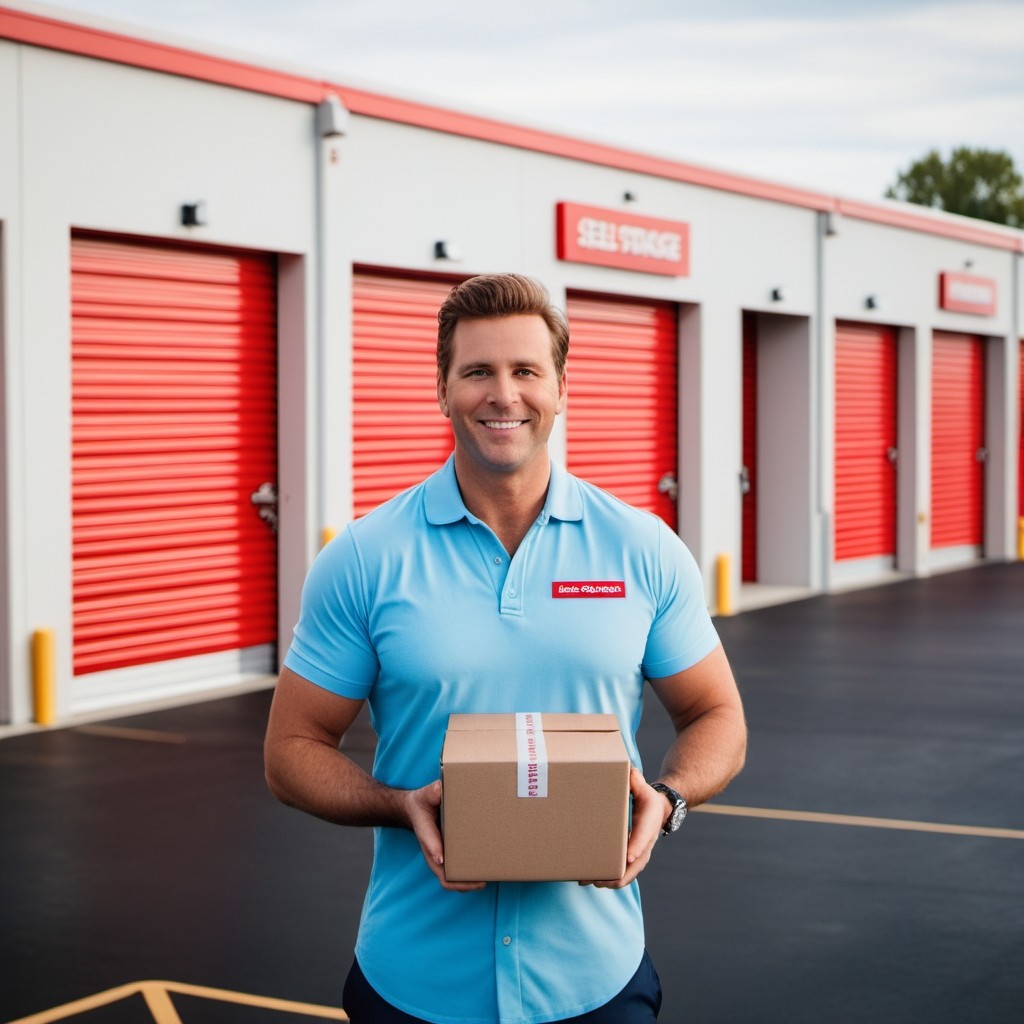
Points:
point(504, 389)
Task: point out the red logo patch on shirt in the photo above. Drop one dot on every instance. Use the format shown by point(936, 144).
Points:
point(588, 588)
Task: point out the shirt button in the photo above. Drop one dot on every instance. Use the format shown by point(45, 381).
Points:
point(507, 940)
point(512, 592)
point(497, 560)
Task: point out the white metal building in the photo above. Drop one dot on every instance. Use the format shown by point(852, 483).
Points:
point(218, 287)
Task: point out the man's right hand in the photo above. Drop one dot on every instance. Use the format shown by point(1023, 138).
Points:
point(423, 808)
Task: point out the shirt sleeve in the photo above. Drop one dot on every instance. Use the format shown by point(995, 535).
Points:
point(331, 645)
point(682, 632)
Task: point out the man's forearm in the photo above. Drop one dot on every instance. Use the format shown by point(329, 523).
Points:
point(320, 780)
point(706, 755)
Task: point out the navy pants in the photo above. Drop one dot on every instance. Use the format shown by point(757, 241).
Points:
point(638, 1003)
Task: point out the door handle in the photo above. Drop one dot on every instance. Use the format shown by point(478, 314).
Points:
point(669, 486)
point(265, 500)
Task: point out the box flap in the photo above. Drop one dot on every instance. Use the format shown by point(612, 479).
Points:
point(550, 722)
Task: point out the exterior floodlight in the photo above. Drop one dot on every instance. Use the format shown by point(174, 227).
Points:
point(193, 215)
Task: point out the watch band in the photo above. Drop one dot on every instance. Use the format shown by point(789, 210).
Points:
point(678, 812)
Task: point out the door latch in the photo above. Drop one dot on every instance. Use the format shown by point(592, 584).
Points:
point(744, 480)
point(265, 500)
point(669, 486)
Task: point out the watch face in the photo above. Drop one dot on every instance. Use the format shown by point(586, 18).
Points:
point(675, 819)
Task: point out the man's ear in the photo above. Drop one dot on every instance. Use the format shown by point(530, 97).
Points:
point(442, 396)
point(563, 392)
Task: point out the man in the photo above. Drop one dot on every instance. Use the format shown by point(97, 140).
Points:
point(441, 601)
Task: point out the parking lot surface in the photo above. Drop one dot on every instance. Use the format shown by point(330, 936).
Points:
point(867, 866)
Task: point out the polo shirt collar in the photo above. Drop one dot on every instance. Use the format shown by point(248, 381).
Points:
point(443, 503)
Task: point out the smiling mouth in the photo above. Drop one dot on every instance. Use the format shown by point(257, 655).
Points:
point(503, 424)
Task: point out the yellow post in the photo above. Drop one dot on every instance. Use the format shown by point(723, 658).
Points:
point(1020, 538)
point(44, 676)
point(327, 534)
point(724, 585)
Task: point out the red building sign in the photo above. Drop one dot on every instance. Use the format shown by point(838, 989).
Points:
point(965, 293)
point(611, 238)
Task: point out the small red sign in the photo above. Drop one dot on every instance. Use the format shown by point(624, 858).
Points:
point(965, 293)
point(611, 238)
point(588, 588)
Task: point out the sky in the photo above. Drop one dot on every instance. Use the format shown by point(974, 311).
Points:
point(837, 96)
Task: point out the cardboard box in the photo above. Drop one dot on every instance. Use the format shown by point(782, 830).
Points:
point(534, 797)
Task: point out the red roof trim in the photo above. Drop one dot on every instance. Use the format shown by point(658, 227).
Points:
point(23, 27)
point(49, 33)
point(506, 134)
point(966, 232)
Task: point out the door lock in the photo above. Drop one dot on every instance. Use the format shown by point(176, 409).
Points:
point(265, 500)
point(668, 485)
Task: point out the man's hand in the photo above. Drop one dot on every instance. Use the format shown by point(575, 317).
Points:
point(423, 810)
point(650, 809)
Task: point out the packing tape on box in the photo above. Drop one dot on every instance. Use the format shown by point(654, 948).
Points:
point(532, 754)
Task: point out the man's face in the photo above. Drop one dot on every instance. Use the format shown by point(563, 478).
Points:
point(502, 392)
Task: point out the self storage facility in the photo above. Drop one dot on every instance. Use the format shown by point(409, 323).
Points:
point(218, 285)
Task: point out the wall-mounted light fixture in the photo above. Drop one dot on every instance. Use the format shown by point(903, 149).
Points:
point(447, 251)
point(193, 215)
point(968, 263)
point(829, 224)
point(777, 295)
point(628, 197)
point(332, 118)
point(871, 302)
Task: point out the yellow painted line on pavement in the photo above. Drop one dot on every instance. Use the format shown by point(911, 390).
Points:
point(264, 1002)
point(863, 822)
point(122, 732)
point(158, 1001)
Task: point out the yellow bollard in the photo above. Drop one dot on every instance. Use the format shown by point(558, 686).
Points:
point(1020, 538)
point(724, 585)
point(44, 676)
point(327, 534)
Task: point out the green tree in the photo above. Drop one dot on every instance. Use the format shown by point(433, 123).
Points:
point(982, 183)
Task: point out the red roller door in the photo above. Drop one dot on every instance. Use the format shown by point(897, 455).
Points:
point(749, 480)
point(174, 426)
point(865, 425)
point(399, 434)
point(958, 440)
point(622, 415)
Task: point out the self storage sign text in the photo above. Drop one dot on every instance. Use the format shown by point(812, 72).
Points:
point(589, 234)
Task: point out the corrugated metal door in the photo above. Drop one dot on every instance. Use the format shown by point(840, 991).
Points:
point(174, 426)
point(958, 440)
point(399, 434)
point(622, 414)
point(865, 457)
point(749, 477)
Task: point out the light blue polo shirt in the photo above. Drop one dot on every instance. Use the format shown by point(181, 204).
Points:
point(418, 608)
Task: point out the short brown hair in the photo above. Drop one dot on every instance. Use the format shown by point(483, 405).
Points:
point(494, 295)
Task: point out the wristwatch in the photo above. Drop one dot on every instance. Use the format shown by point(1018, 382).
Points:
point(675, 818)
